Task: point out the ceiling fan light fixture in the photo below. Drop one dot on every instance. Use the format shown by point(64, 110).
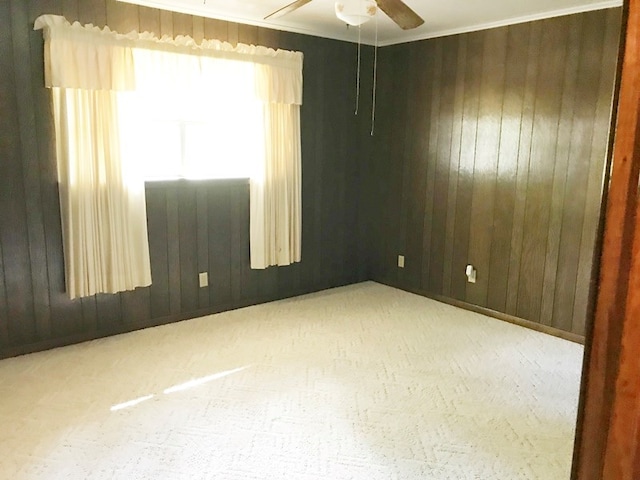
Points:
point(355, 12)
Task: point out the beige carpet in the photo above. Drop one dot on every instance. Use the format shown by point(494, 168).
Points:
point(358, 382)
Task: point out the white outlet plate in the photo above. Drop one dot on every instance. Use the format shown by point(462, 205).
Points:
point(471, 273)
point(203, 278)
point(401, 261)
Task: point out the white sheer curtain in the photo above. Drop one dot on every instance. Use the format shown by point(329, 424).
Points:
point(102, 205)
point(103, 210)
point(276, 210)
point(276, 187)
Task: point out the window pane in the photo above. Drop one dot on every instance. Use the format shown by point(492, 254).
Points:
point(212, 151)
point(161, 150)
point(200, 120)
point(154, 148)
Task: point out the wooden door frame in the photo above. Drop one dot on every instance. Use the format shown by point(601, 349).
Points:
point(607, 443)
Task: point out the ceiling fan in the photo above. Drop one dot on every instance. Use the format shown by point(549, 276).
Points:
point(396, 10)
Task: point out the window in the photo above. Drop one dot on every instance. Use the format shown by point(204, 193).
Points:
point(198, 111)
point(211, 127)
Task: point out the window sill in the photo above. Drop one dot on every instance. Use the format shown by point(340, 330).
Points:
point(189, 183)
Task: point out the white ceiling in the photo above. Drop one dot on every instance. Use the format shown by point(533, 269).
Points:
point(441, 17)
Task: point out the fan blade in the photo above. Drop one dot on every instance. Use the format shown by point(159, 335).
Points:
point(399, 12)
point(287, 9)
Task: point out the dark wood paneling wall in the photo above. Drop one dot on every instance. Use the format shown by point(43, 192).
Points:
point(490, 150)
point(193, 226)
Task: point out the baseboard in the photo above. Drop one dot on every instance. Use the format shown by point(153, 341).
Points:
point(48, 344)
point(556, 332)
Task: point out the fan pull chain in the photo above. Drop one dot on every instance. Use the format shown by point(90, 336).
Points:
point(375, 79)
point(358, 71)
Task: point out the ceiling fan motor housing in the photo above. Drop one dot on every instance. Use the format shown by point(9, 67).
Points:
point(356, 12)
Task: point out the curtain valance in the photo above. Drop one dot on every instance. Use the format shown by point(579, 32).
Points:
point(85, 56)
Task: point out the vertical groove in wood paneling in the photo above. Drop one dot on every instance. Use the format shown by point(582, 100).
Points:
point(182, 24)
point(418, 120)
point(368, 195)
point(354, 183)
point(4, 325)
point(173, 250)
point(188, 248)
point(166, 23)
point(159, 251)
point(452, 193)
point(53, 7)
point(486, 161)
point(109, 311)
point(93, 11)
point(248, 276)
point(596, 170)
point(522, 173)
point(378, 174)
point(318, 146)
point(89, 309)
point(70, 9)
point(215, 29)
point(335, 138)
point(236, 245)
point(578, 168)
point(150, 20)
point(20, 312)
point(122, 17)
point(380, 189)
point(402, 164)
point(327, 193)
point(247, 34)
point(503, 215)
point(202, 227)
point(31, 175)
point(468, 140)
point(396, 173)
point(567, 106)
point(431, 152)
point(136, 305)
point(219, 244)
point(442, 163)
point(544, 137)
point(198, 29)
point(232, 33)
point(268, 37)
